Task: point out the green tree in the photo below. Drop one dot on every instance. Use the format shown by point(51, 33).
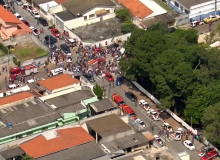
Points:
point(128, 26)
point(124, 14)
point(211, 120)
point(98, 91)
point(27, 157)
point(191, 35)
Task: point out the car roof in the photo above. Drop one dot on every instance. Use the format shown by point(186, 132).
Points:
point(16, 14)
point(188, 141)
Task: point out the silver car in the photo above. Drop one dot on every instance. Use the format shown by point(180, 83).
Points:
point(19, 2)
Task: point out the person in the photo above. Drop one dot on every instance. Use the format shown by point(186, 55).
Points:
point(42, 30)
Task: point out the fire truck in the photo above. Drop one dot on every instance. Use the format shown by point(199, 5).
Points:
point(95, 63)
point(118, 99)
point(26, 70)
point(128, 110)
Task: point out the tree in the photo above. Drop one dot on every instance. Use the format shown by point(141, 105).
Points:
point(27, 157)
point(98, 91)
point(128, 26)
point(211, 123)
point(124, 14)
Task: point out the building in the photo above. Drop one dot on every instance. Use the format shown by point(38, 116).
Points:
point(10, 26)
point(82, 12)
point(101, 106)
point(10, 154)
point(28, 116)
point(196, 9)
point(59, 83)
point(70, 143)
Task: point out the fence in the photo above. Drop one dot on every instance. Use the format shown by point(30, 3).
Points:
point(6, 59)
point(183, 19)
point(39, 43)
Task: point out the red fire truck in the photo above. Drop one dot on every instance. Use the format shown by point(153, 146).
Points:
point(128, 110)
point(26, 70)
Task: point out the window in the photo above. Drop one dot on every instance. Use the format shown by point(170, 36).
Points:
point(187, 12)
point(85, 17)
point(91, 15)
point(176, 4)
point(108, 11)
point(181, 7)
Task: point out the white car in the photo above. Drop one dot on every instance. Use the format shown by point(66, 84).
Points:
point(154, 116)
point(144, 105)
point(35, 14)
point(18, 16)
point(167, 127)
point(188, 144)
point(57, 71)
point(141, 123)
point(178, 134)
point(36, 32)
point(158, 140)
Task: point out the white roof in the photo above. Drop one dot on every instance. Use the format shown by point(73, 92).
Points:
point(142, 101)
point(166, 124)
point(71, 40)
point(46, 6)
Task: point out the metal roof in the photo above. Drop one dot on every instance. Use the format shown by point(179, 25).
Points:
point(102, 105)
point(17, 151)
point(108, 125)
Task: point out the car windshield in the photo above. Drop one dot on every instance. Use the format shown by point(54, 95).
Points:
point(132, 114)
point(56, 31)
point(142, 123)
point(35, 30)
point(36, 14)
point(159, 140)
point(169, 127)
point(190, 144)
point(19, 16)
point(155, 114)
point(178, 133)
point(121, 103)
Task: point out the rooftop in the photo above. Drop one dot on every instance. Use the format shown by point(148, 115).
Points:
point(70, 99)
point(132, 156)
point(40, 1)
point(60, 1)
point(75, 6)
point(15, 97)
point(136, 8)
point(102, 105)
point(108, 125)
point(7, 16)
point(60, 81)
point(11, 153)
point(47, 5)
point(85, 151)
point(65, 15)
point(191, 3)
point(26, 116)
point(126, 142)
point(66, 138)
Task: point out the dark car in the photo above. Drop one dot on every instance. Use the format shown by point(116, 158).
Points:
point(50, 38)
point(2, 2)
point(65, 48)
point(43, 21)
point(131, 96)
point(90, 77)
point(51, 45)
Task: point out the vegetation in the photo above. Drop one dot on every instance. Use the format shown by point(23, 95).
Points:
point(27, 157)
point(3, 48)
point(16, 61)
point(126, 17)
point(181, 73)
point(98, 91)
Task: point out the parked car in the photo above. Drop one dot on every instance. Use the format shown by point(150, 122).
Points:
point(141, 123)
point(25, 6)
point(65, 48)
point(131, 96)
point(35, 14)
point(30, 8)
point(167, 127)
point(109, 77)
point(178, 135)
point(18, 16)
point(50, 38)
point(188, 144)
point(7, 7)
point(43, 21)
point(90, 77)
point(2, 2)
point(196, 23)
point(26, 22)
point(210, 155)
point(158, 140)
point(118, 80)
point(211, 19)
point(154, 115)
point(50, 45)
point(55, 32)
point(143, 104)
point(19, 2)
point(69, 58)
point(36, 32)
point(204, 151)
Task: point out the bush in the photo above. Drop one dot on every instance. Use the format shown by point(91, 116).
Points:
point(16, 61)
point(98, 91)
point(128, 27)
point(124, 14)
point(3, 48)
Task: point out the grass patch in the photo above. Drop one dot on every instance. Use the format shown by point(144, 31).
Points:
point(164, 6)
point(2, 53)
point(29, 51)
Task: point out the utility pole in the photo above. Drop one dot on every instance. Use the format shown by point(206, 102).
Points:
point(215, 7)
point(191, 121)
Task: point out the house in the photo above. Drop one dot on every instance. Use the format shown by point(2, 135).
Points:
point(196, 9)
point(10, 26)
point(27, 115)
point(83, 12)
point(101, 106)
point(13, 153)
point(59, 83)
point(69, 143)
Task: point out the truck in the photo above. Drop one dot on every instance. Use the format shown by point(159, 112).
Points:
point(26, 70)
point(118, 99)
point(128, 110)
point(210, 155)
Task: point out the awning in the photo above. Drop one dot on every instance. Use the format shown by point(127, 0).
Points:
point(99, 12)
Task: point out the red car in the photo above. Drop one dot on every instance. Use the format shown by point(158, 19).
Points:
point(210, 155)
point(55, 32)
point(26, 23)
point(109, 77)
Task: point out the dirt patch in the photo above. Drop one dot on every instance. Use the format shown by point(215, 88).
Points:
point(164, 115)
point(100, 30)
point(28, 50)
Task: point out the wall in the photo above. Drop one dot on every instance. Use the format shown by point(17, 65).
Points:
point(176, 8)
point(67, 87)
point(56, 9)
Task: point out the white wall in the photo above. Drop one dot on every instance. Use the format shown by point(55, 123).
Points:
point(184, 8)
point(203, 8)
point(56, 9)
point(67, 87)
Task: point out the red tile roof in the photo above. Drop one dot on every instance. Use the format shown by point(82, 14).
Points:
point(57, 82)
point(66, 138)
point(7, 16)
point(15, 97)
point(136, 8)
point(60, 1)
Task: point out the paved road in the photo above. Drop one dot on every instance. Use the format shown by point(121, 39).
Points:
point(176, 146)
